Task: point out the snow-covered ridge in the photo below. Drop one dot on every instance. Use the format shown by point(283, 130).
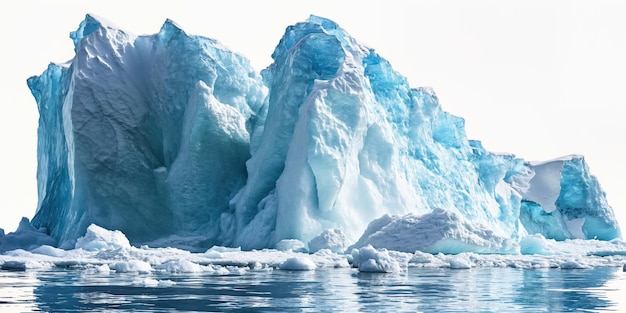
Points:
point(175, 140)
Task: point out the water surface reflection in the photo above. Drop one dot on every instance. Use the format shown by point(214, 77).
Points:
point(323, 290)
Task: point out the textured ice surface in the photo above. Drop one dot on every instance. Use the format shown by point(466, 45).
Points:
point(371, 260)
point(332, 239)
point(148, 135)
point(175, 140)
point(565, 201)
point(98, 238)
point(25, 237)
point(439, 231)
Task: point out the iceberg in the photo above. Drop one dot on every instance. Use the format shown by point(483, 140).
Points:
point(176, 141)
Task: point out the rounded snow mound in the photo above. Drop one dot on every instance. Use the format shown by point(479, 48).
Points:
point(440, 231)
point(298, 263)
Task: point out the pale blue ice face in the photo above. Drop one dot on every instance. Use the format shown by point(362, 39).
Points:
point(576, 207)
point(176, 140)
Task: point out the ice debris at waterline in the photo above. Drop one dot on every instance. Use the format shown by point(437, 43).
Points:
point(176, 141)
point(104, 252)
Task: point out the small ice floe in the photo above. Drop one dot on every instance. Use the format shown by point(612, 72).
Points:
point(369, 259)
point(572, 265)
point(460, 262)
point(97, 269)
point(103, 269)
point(13, 266)
point(180, 266)
point(23, 264)
point(331, 259)
point(151, 282)
point(298, 263)
point(132, 266)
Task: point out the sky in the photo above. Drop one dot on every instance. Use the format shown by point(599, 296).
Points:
point(539, 79)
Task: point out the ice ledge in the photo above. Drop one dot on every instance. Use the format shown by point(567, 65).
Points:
point(564, 158)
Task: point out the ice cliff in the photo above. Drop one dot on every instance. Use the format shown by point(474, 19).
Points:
point(174, 139)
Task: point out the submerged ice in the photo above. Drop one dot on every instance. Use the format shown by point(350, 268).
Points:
point(175, 140)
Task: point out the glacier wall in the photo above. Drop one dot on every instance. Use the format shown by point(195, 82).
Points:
point(174, 138)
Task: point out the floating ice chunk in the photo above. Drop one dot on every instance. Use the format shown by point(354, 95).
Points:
point(291, 245)
point(328, 257)
point(461, 261)
point(98, 238)
point(13, 266)
point(332, 239)
point(146, 282)
point(369, 259)
point(298, 263)
point(104, 268)
point(135, 266)
point(569, 265)
point(151, 282)
point(221, 271)
point(424, 259)
point(166, 283)
point(180, 266)
point(535, 244)
point(23, 264)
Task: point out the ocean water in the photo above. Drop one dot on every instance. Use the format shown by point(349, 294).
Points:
point(600, 289)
